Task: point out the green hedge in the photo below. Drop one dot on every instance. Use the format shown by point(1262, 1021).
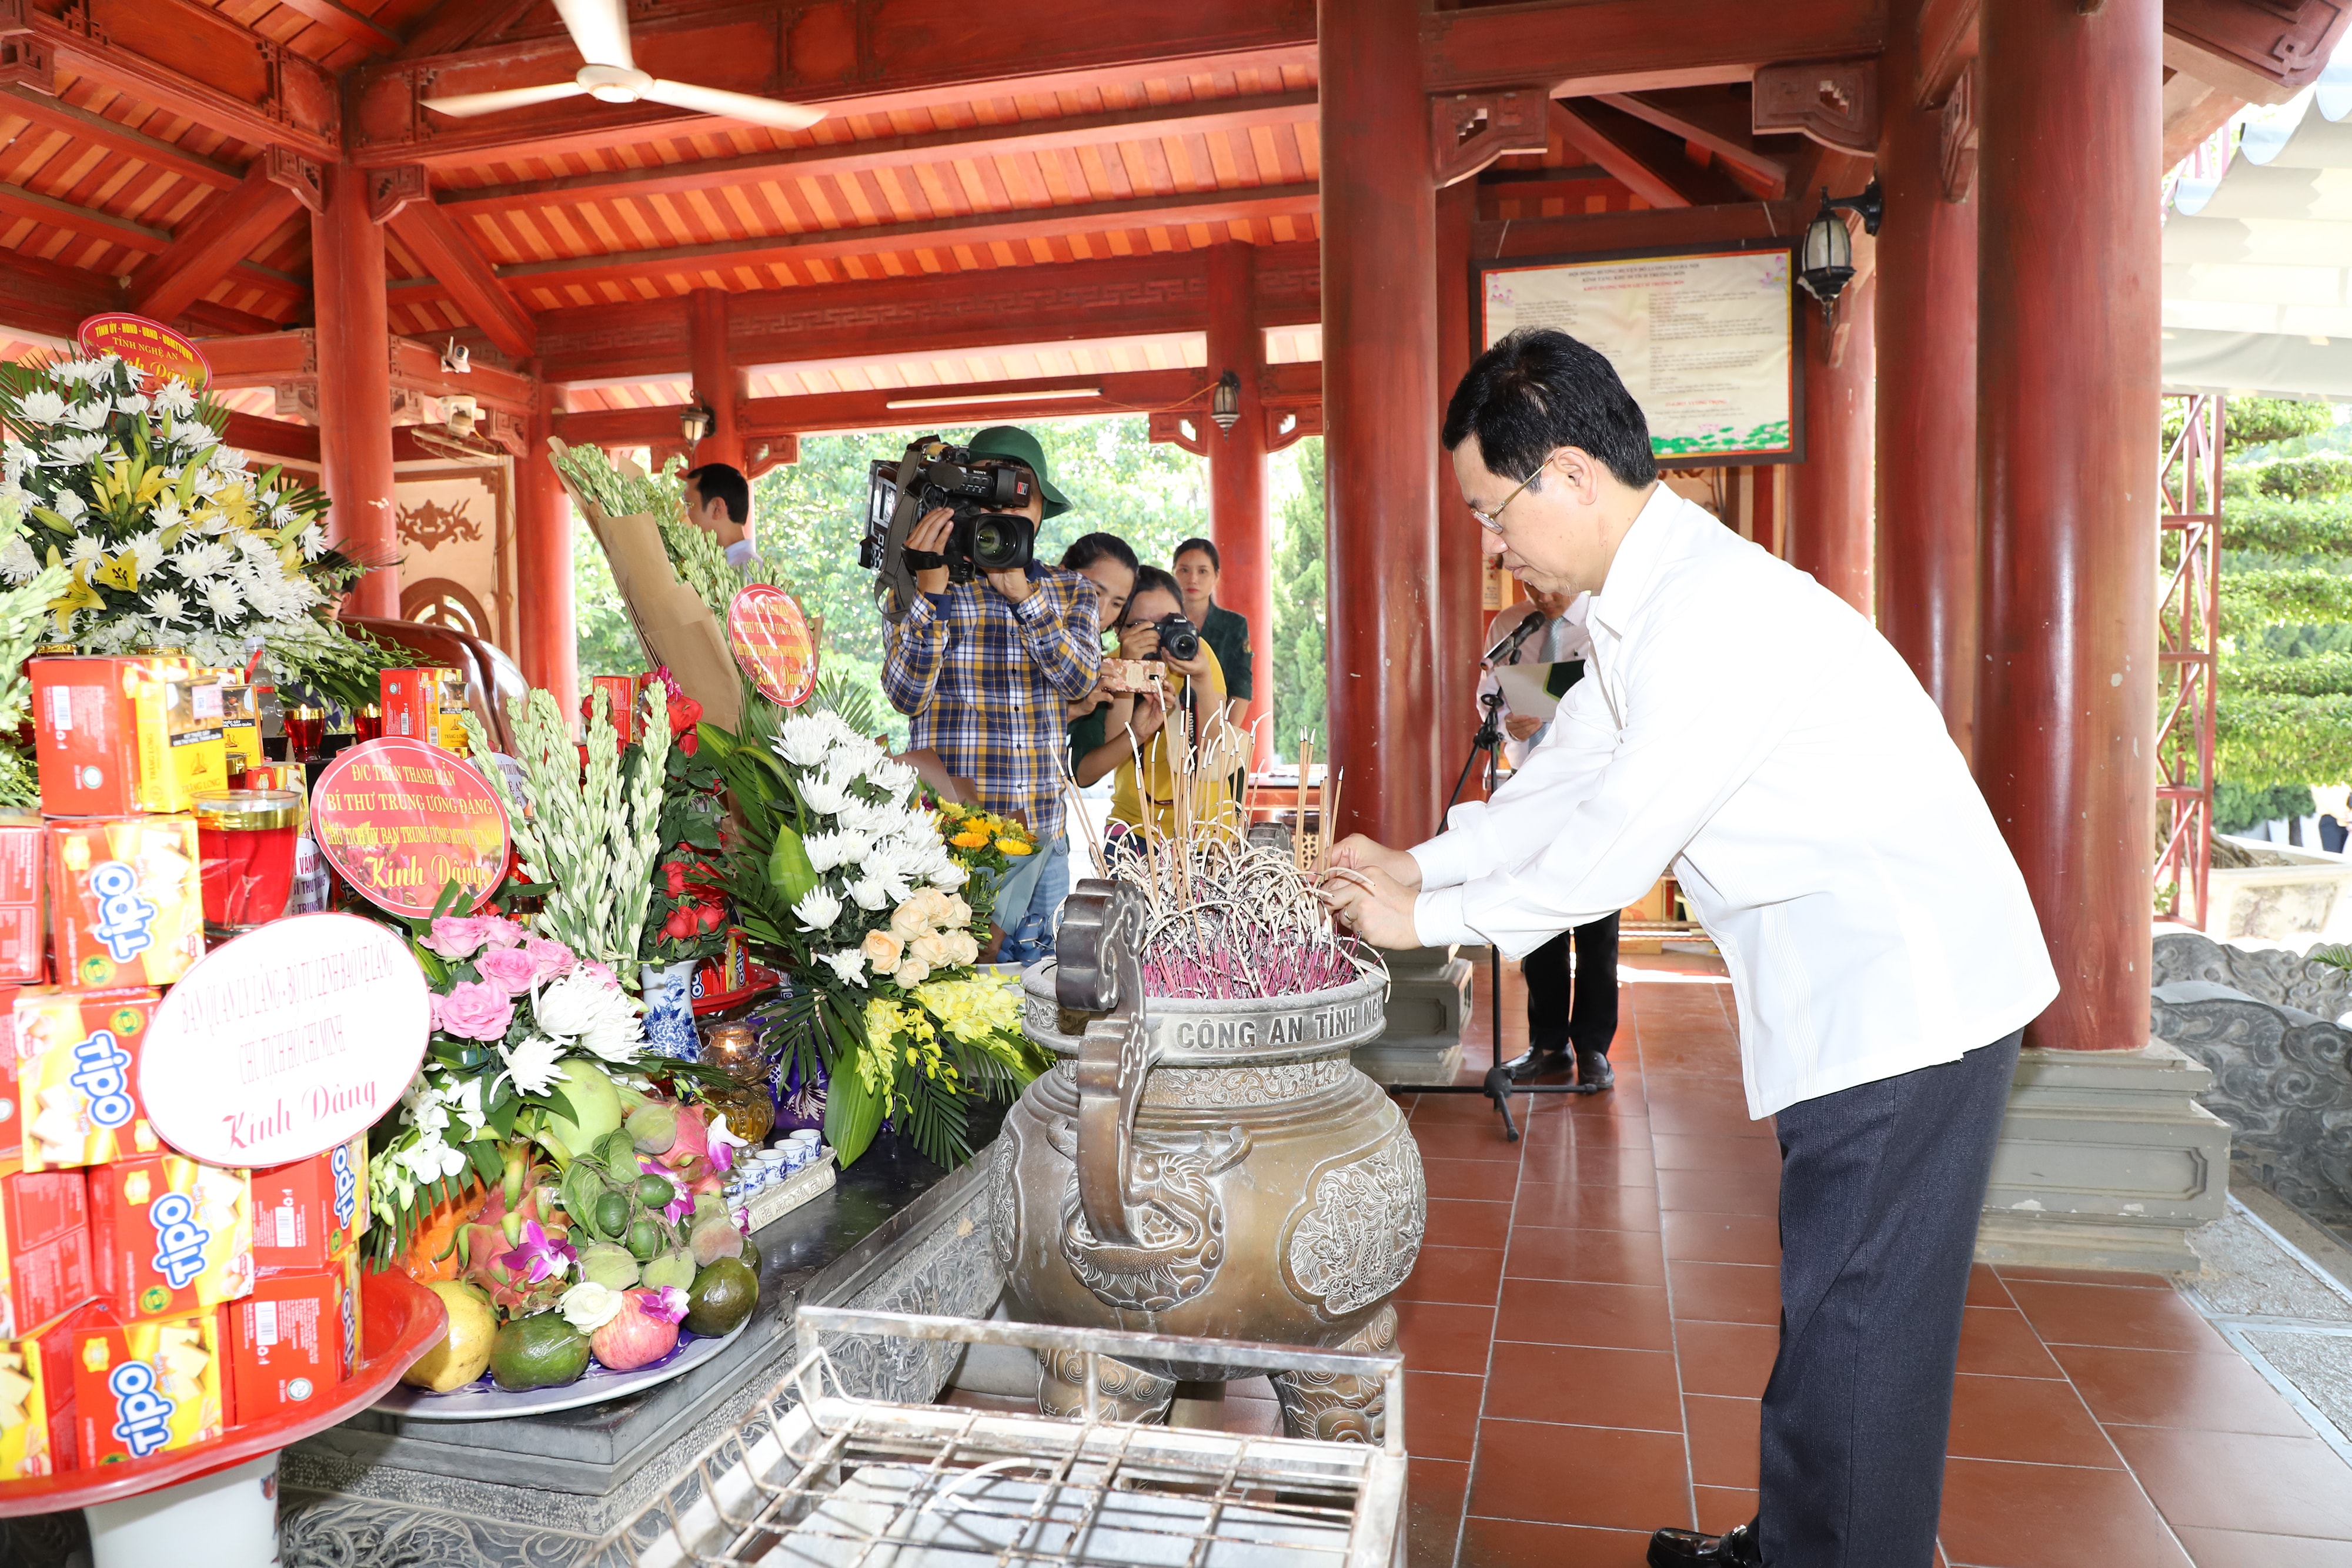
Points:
point(2318, 676)
point(2298, 596)
point(2275, 527)
point(2290, 478)
point(2259, 421)
point(2264, 740)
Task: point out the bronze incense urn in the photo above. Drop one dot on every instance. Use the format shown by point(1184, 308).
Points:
point(1205, 1167)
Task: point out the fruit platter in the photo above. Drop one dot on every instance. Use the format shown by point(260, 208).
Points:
point(572, 1281)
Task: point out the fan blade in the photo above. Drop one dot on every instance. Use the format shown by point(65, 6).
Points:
point(769, 111)
point(466, 104)
point(600, 28)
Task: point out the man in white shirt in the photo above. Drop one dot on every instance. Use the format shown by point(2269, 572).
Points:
point(1571, 1020)
point(718, 501)
point(1744, 724)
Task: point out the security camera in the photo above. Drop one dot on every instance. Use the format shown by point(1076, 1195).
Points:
point(457, 359)
point(459, 414)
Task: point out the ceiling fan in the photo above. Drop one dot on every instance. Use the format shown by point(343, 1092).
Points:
point(601, 30)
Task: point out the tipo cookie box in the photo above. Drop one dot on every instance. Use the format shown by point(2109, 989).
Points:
point(305, 1212)
point(169, 1235)
point(293, 1340)
point(140, 1389)
point(78, 1075)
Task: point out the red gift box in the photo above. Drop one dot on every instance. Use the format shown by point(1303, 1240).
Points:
point(307, 1212)
point(45, 1265)
point(293, 1340)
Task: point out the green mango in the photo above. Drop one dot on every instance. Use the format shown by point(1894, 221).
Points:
point(669, 1269)
point(609, 1265)
point(595, 1108)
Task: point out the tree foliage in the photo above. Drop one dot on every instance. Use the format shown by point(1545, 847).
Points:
point(2264, 740)
point(2315, 676)
point(1299, 618)
point(2276, 527)
point(2302, 478)
point(606, 642)
point(2300, 596)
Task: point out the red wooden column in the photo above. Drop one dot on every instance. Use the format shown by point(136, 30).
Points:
point(544, 531)
point(355, 340)
point(1926, 394)
point(1461, 542)
point(1829, 492)
point(1237, 477)
point(2067, 377)
point(1381, 415)
point(714, 380)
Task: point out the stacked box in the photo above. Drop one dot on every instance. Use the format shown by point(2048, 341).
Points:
point(127, 901)
point(86, 734)
point(142, 1389)
point(411, 700)
point(305, 1212)
point(24, 951)
point(45, 1263)
point(77, 1075)
point(294, 1339)
point(169, 1235)
point(183, 746)
point(37, 1425)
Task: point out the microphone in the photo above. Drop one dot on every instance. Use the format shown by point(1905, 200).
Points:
point(1501, 653)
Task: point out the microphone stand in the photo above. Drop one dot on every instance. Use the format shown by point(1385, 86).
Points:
point(1497, 1085)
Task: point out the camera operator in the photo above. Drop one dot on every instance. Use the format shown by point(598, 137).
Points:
point(1193, 689)
point(984, 668)
point(718, 502)
point(1565, 1019)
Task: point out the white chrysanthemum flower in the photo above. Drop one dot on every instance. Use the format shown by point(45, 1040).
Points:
point(870, 893)
point(167, 514)
point(223, 600)
point(17, 561)
point(147, 552)
point(615, 1038)
point(227, 460)
point(132, 403)
point(261, 593)
point(801, 741)
point(296, 594)
point(201, 558)
point(167, 606)
point(258, 552)
point(176, 399)
point(950, 877)
point(73, 451)
point(70, 371)
point(818, 910)
point(85, 550)
point(90, 415)
point(281, 515)
point(16, 460)
point(70, 505)
point(42, 406)
point(823, 796)
point(824, 850)
point(848, 965)
point(314, 542)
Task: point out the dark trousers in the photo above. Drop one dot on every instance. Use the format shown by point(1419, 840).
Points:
point(1586, 1020)
point(1880, 1189)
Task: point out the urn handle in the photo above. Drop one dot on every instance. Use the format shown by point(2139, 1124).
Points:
point(1099, 969)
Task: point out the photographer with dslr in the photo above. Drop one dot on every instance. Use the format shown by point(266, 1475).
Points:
point(986, 666)
point(1191, 688)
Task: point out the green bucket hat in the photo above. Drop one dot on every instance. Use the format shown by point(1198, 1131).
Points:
point(1017, 445)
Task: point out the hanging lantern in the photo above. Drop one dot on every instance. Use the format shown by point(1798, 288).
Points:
point(1226, 402)
point(1825, 261)
point(695, 422)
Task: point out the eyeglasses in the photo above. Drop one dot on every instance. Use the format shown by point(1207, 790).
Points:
point(1487, 520)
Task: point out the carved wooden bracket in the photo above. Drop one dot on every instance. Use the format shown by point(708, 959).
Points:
point(2257, 49)
point(1287, 426)
point(1835, 102)
point(1181, 427)
point(24, 60)
point(305, 178)
point(1468, 131)
point(296, 400)
point(1958, 121)
point(389, 189)
point(508, 432)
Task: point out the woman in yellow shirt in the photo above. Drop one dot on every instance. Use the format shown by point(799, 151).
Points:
point(1194, 691)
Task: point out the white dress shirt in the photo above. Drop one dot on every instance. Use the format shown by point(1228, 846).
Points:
point(1563, 637)
point(1744, 724)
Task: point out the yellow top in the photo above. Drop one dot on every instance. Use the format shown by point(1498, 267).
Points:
point(1211, 795)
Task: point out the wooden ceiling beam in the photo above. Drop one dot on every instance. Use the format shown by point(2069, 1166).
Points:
point(446, 252)
point(196, 62)
point(347, 25)
point(48, 299)
point(1124, 296)
point(831, 53)
point(1148, 124)
point(1581, 47)
point(210, 245)
point(1716, 122)
point(1600, 231)
point(82, 125)
point(1637, 174)
point(968, 229)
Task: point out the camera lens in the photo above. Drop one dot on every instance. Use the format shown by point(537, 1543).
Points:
point(1001, 543)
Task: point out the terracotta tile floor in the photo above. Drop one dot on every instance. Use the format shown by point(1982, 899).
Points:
point(1590, 1329)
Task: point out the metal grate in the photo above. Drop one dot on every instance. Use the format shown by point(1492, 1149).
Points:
point(817, 1477)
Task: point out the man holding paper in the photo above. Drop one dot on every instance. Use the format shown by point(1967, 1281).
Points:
point(1570, 1020)
point(1746, 725)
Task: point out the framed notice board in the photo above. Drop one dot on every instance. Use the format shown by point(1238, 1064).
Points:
point(1706, 340)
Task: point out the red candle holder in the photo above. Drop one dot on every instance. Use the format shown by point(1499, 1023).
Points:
point(305, 728)
point(245, 842)
point(367, 724)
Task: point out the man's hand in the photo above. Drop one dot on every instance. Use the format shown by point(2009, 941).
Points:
point(1374, 904)
point(1359, 853)
point(1151, 713)
point(1520, 725)
point(930, 535)
point(1014, 585)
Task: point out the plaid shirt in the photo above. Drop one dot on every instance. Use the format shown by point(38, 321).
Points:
point(985, 681)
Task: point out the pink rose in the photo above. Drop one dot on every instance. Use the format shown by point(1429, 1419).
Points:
point(548, 958)
point(503, 933)
point(455, 938)
point(512, 968)
point(474, 1009)
point(602, 971)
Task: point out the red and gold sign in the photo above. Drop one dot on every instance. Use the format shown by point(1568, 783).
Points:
point(149, 345)
point(400, 819)
point(770, 637)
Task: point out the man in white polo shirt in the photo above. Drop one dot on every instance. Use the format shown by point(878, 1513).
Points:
point(1746, 727)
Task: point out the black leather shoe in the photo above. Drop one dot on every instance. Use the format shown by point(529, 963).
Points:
point(1592, 1070)
point(1735, 1548)
point(1537, 1062)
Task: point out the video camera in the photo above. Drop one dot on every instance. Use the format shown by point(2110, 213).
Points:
point(987, 534)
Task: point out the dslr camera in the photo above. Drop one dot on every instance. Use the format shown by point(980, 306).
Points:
point(1178, 639)
point(987, 534)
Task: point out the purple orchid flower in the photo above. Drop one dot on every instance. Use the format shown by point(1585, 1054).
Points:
point(539, 1258)
point(681, 1203)
point(667, 1305)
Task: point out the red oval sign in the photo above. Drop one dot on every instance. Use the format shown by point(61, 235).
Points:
point(285, 1042)
point(149, 345)
point(399, 819)
point(770, 636)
